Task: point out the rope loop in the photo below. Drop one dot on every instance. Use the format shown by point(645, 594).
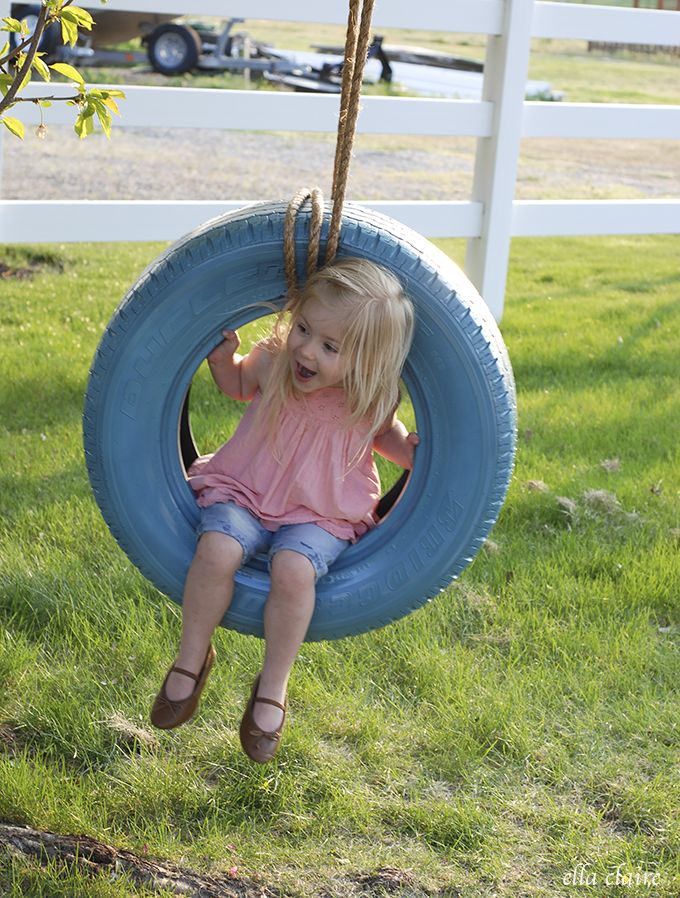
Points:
point(316, 196)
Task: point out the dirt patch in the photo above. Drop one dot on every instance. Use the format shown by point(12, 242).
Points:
point(11, 273)
point(9, 739)
point(388, 881)
point(19, 274)
point(27, 265)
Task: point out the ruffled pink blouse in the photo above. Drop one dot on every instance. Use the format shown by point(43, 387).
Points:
point(316, 479)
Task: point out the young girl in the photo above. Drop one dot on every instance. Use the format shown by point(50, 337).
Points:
point(297, 479)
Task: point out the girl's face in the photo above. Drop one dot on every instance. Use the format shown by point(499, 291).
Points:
point(314, 347)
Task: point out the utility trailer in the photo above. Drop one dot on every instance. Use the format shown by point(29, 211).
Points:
point(171, 47)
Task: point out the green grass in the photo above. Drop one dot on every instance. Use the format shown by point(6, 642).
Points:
point(523, 723)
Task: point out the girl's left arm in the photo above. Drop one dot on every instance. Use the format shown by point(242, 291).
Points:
point(396, 444)
point(235, 375)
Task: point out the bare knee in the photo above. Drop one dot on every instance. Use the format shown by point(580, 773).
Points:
point(218, 553)
point(292, 573)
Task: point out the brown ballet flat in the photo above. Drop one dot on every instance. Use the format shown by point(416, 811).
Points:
point(259, 745)
point(166, 714)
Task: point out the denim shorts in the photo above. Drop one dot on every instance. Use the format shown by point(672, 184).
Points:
point(310, 540)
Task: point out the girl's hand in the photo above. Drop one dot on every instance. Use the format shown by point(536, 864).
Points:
point(412, 440)
point(226, 349)
point(396, 444)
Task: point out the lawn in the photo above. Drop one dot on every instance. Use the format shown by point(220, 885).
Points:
point(518, 736)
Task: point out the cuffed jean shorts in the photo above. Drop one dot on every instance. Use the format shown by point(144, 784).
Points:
point(310, 540)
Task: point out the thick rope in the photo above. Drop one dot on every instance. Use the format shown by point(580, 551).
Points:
point(356, 49)
point(347, 72)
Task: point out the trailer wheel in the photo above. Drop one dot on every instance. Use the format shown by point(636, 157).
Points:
point(173, 49)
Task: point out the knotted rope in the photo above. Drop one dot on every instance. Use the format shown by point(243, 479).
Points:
point(356, 49)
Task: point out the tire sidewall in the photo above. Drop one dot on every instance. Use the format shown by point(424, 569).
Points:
point(457, 375)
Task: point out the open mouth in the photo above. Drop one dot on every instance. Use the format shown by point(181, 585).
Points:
point(303, 373)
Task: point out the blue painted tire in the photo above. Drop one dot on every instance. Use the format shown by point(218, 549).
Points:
point(458, 376)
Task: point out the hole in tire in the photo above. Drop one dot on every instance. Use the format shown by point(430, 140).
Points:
point(211, 418)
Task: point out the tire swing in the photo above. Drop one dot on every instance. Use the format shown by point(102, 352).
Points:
point(137, 434)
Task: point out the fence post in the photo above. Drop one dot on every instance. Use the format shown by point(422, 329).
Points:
point(505, 75)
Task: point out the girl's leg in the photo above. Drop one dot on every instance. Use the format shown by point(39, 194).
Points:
point(287, 615)
point(207, 594)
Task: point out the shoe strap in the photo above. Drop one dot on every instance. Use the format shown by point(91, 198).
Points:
point(187, 673)
point(270, 701)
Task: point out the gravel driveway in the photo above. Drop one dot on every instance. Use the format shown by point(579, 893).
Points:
point(151, 163)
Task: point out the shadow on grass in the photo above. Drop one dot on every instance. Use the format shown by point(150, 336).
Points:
point(617, 366)
point(616, 362)
point(38, 402)
point(42, 492)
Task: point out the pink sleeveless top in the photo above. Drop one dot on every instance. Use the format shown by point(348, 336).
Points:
point(317, 479)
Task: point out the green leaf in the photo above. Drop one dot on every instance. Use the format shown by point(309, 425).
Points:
point(84, 125)
point(80, 17)
point(112, 105)
point(4, 50)
point(14, 125)
point(11, 25)
point(104, 117)
point(45, 103)
point(41, 68)
point(105, 94)
point(69, 32)
point(25, 80)
point(68, 71)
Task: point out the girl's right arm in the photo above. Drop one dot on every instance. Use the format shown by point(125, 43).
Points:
point(238, 376)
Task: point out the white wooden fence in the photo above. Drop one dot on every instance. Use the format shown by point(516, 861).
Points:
point(499, 120)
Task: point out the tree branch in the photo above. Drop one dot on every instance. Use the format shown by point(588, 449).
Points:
point(8, 99)
point(17, 50)
point(40, 99)
point(96, 857)
point(52, 17)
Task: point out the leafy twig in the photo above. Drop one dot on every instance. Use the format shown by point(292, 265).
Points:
point(99, 103)
point(8, 99)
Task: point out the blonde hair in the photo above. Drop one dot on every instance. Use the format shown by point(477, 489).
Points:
point(376, 341)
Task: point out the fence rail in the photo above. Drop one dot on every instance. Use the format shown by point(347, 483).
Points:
point(499, 121)
point(241, 110)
